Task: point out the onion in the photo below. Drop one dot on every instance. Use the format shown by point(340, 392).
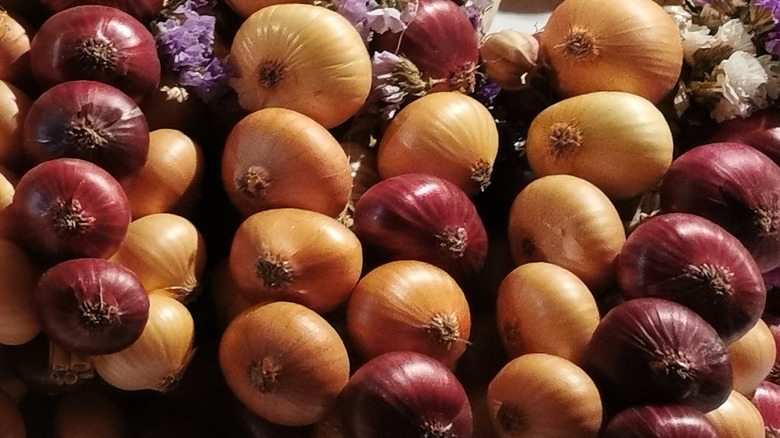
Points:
point(227, 297)
point(14, 49)
point(68, 208)
point(91, 121)
point(14, 105)
point(284, 362)
point(448, 135)
point(508, 56)
point(618, 141)
point(409, 305)
point(279, 158)
point(440, 41)
point(97, 43)
point(422, 217)
point(8, 182)
point(760, 130)
point(12, 425)
point(89, 413)
point(543, 308)
point(47, 368)
point(539, 394)
point(583, 233)
point(143, 10)
point(295, 255)
point(774, 326)
point(166, 252)
point(18, 319)
point(160, 355)
point(737, 418)
point(632, 46)
point(91, 306)
point(767, 400)
point(690, 260)
point(304, 58)
point(654, 351)
point(405, 394)
point(734, 186)
point(752, 357)
point(670, 421)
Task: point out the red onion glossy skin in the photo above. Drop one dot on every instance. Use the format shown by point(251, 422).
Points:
point(69, 208)
point(97, 43)
point(405, 394)
point(670, 421)
point(767, 400)
point(92, 121)
point(760, 130)
point(143, 10)
point(690, 260)
point(735, 186)
point(91, 306)
point(440, 41)
point(422, 217)
point(652, 351)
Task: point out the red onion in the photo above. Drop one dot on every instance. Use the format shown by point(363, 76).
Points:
point(422, 217)
point(760, 130)
point(143, 10)
point(440, 41)
point(405, 394)
point(98, 43)
point(670, 421)
point(91, 306)
point(767, 400)
point(68, 208)
point(735, 186)
point(690, 260)
point(772, 282)
point(88, 120)
point(653, 351)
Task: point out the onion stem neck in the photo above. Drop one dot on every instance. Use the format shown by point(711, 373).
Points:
point(767, 219)
point(579, 44)
point(510, 419)
point(464, 79)
point(254, 182)
point(480, 173)
point(564, 140)
point(436, 430)
point(96, 55)
point(264, 375)
point(453, 241)
point(270, 73)
point(273, 270)
point(443, 328)
point(709, 277)
point(97, 314)
point(674, 364)
point(84, 134)
point(69, 217)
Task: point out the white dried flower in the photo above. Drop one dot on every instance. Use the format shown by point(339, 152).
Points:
point(740, 77)
point(736, 35)
point(695, 37)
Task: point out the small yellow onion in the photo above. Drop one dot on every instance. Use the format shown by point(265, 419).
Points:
point(14, 105)
point(448, 134)
point(567, 221)
point(11, 420)
point(632, 46)
point(18, 316)
point(278, 158)
point(304, 58)
point(543, 308)
point(169, 180)
point(165, 251)
point(14, 49)
point(284, 362)
point(160, 356)
point(618, 141)
point(541, 395)
point(295, 255)
point(737, 417)
point(88, 414)
point(508, 57)
point(752, 357)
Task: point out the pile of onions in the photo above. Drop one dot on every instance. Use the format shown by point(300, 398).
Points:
point(448, 135)
point(404, 394)
point(632, 46)
point(669, 421)
point(440, 41)
point(99, 43)
point(735, 186)
point(654, 351)
point(422, 217)
point(409, 305)
point(304, 58)
point(691, 260)
point(14, 106)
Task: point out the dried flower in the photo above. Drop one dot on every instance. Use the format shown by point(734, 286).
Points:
point(396, 80)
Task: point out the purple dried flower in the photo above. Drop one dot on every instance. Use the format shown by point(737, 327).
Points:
point(209, 81)
point(356, 12)
point(475, 10)
point(773, 43)
point(187, 43)
point(486, 92)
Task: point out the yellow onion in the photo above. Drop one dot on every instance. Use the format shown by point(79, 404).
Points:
point(165, 251)
point(447, 134)
point(508, 57)
point(7, 188)
point(301, 57)
point(752, 357)
point(632, 46)
point(14, 105)
point(618, 141)
point(87, 414)
point(227, 296)
point(14, 49)
point(18, 318)
point(169, 180)
point(160, 356)
point(737, 417)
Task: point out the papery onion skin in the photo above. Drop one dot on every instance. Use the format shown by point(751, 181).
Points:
point(117, 50)
point(767, 400)
point(405, 394)
point(693, 261)
point(304, 58)
point(69, 208)
point(422, 217)
point(760, 130)
point(91, 306)
point(671, 421)
point(18, 319)
point(143, 10)
point(91, 121)
point(735, 186)
point(633, 46)
point(14, 106)
point(440, 41)
point(655, 351)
